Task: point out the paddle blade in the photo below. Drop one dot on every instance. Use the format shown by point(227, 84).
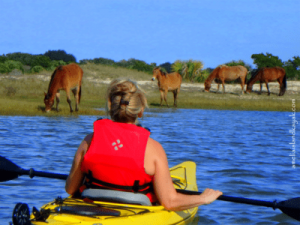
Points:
point(291, 207)
point(8, 170)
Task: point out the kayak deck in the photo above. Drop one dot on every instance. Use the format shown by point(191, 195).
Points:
point(87, 212)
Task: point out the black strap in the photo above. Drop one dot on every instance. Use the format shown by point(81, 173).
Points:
point(140, 125)
point(92, 182)
point(135, 187)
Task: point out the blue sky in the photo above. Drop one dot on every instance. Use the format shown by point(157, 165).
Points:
point(211, 31)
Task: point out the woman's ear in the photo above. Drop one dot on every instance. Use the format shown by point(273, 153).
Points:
point(140, 115)
point(108, 105)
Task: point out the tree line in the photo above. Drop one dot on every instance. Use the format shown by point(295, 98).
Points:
point(191, 70)
point(36, 63)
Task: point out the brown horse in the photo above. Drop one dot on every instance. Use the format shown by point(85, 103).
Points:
point(226, 73)
point(66, 78)
point(167, 82)
point(265, 75)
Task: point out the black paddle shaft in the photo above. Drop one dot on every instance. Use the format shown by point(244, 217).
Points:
point(290, 207)
point(10, 171)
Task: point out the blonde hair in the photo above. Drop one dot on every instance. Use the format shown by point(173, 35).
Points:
point(125, 100)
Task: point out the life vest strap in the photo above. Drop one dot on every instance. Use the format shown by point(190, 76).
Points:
point(92, 182)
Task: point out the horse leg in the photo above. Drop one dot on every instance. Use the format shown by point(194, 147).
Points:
point(242, 84)
point(280, 86)
point(267, 85)
point(165, 96)
point(218, 87)
point(75, 93)
point(57, 99)
point(69, 100)
point(223, 84)
point(175, 97)
point(161, 97)
point(260, 88)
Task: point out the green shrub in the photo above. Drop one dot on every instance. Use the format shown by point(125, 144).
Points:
point(4, 68)
point(189, 70)
point(36, 69)
point(239, 63)
point(202, 76)
point(10, 65)
point(14, 65)
point(56, 63)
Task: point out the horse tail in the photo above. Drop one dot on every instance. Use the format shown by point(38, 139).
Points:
point(79, 94)
point(283, 86)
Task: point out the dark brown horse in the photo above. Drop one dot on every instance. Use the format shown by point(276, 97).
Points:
point(265, 75)
point(167, 82)
point(226, 73)
point(66, 78)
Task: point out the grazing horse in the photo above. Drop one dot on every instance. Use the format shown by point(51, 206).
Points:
point(226, 73)
point(167, 82)
point(66, 78)
point(265, 74)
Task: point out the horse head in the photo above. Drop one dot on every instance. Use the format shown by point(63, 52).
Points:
point(156, 73)
point(207, 85)
point(249, 88)
point(48, 102)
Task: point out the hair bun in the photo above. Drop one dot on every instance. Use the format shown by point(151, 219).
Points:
point(123, 102)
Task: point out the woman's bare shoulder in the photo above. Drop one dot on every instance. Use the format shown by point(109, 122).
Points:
point(88, 138)
point(155, 148)
point(153, 143)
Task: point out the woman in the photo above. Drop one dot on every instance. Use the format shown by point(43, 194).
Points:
point(120, 154)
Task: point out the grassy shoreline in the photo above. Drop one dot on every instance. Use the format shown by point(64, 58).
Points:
point(23, 95)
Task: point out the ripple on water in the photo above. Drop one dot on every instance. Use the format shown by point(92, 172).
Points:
point(243, 154)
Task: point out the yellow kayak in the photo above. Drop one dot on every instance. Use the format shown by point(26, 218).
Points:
point(92, 211)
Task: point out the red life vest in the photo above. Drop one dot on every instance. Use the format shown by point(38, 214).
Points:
point(115, 158)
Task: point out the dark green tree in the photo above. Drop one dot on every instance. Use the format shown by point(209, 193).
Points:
point(140, 65)
point(267, 60)
point(136, 65)
point(41, 60)
point(3, 58)
point(104, 61)
point(167, 66)
point(60, 55)
point(296, 62)
point(292, 68)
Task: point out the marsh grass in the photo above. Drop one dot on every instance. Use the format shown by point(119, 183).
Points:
point(218, 101)
point(24, 94)
point(102, 72)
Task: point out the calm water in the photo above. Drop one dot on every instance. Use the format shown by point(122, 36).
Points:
point(243, 154)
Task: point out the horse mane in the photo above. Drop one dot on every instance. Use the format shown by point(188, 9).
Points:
point(253, 78)
point(212, 75)
point(53, 75)
point(162, 72)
